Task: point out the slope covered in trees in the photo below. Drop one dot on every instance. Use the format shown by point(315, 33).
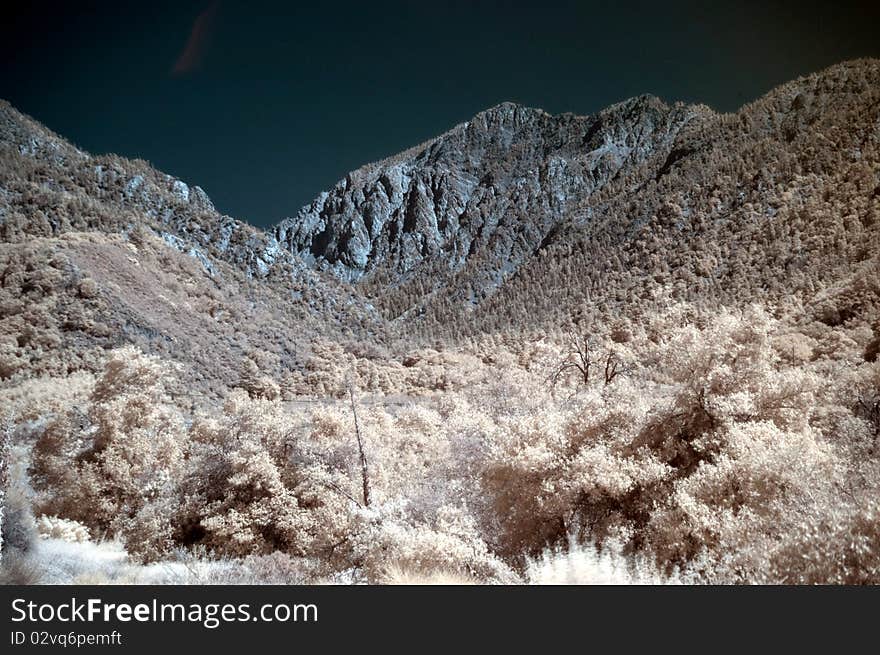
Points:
point(100, 251)
point(637, 346)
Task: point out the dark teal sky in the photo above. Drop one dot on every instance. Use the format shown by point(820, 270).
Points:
point(265, 105)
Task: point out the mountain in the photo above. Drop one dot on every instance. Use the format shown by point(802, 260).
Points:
point(99, 251)
point(494, 184)
point(516, 220)
point(653, 330)
point(522, 219)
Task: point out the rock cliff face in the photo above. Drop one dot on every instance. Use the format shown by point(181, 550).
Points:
point(492, 187)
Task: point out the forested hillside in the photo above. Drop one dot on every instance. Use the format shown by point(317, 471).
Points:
point(638, 346)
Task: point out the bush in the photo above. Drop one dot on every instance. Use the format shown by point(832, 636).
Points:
point(721, 456)
point(702, 464)
point(54, 527)
point(245, 492)
point(18, 528)
point(125, 466)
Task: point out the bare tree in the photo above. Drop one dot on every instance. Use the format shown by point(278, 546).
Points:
point(613, 367)
point(365, 471)
point(366, 486)
point(578, 358)
point(583, 356)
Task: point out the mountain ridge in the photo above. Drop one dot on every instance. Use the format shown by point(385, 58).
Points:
point(441, 199)
point(514, 218)
point(652, 331)
point(453, 220)
point(97, 251)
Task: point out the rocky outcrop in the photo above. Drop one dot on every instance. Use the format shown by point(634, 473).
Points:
point(494, 187)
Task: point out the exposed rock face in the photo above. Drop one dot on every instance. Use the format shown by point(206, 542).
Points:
point(493, 186)
point(519, 213)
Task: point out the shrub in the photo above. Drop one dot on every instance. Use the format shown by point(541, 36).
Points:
point(17, 527)
point(700, 464)
point(725, 455)
point(246, 493)
point(128, 462)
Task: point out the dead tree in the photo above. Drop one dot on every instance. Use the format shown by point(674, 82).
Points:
point(613, 367)
point(584, 357)
point(579, 358)
point(366, 487)
point(365, 471)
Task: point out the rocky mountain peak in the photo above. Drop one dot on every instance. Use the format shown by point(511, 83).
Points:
point(492, 186)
